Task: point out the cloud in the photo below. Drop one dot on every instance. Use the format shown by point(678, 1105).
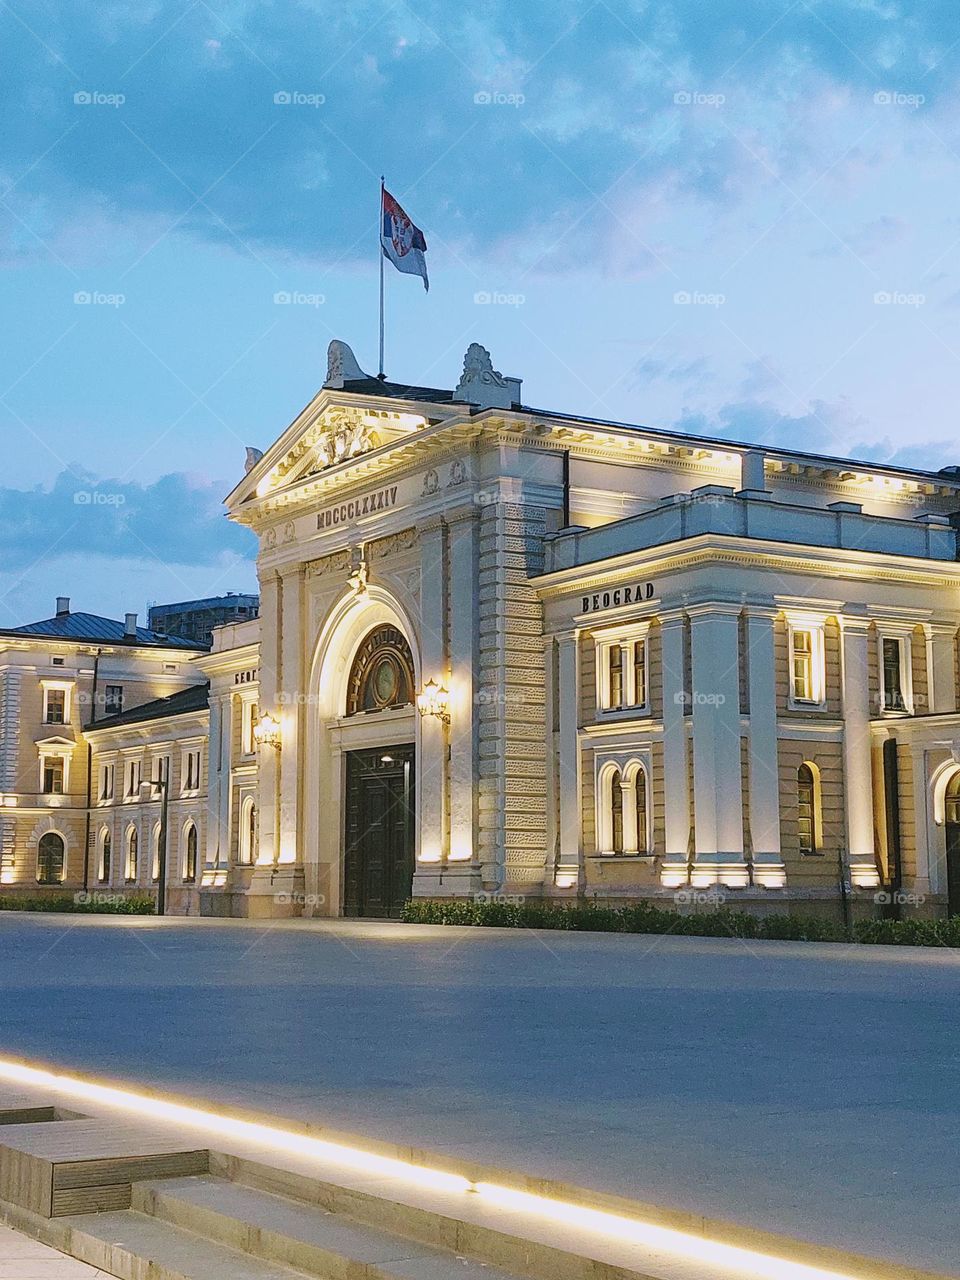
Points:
point(582, 113)
point(175, 520)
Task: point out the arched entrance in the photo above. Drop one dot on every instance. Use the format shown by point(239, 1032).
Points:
point(951, 823)
point(379, 826)
point(361, 793)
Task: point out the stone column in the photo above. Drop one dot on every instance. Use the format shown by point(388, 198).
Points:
point(675, 780)
point(464, 868)
point(857, 765)
point(570, 861)
point(941, 671)
point(216, 832)
point(717, 783)
point(762, 754)
point(269, 686)
point(432, 764)
point(292, 717)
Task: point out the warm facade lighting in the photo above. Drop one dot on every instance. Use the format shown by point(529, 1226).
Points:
point(434, 700)
point(267, 731)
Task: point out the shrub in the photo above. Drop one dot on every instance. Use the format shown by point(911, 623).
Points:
point(646, 917)
point(99, 904)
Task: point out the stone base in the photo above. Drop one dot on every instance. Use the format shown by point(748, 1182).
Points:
point(452, 880)
point(275, 893)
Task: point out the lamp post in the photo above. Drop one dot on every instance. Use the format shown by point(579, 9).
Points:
point(162, 784)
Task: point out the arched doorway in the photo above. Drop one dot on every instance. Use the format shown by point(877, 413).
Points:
point(951, 823)
point(379, 814)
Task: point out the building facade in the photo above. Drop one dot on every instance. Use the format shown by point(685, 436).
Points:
point(197, 619)
point(57, 677)
point(503, 650)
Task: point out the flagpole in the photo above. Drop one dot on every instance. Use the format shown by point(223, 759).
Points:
point(380, 256)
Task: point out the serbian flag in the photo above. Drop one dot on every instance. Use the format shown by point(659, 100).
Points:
point(403, 243)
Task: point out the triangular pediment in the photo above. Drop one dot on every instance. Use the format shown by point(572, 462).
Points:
point(334, 428)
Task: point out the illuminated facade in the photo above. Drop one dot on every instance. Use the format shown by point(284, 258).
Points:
point(503, 650)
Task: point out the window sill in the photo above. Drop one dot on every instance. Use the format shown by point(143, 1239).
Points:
point(621, 857)
point(641, 711)
point(792, 705)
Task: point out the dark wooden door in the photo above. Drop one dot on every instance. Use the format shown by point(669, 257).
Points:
point(953, 868)
point(379, 835)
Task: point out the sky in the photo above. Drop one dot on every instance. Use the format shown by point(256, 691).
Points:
point(738, 219)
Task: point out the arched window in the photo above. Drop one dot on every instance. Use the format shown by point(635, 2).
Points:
point(248, 832)
point(190, 854)
point(616, 812)
point(809, 821)
point(50, 859)
point(106, 848)
point(382, 673)
point(133, 855)
point(951, 799)
point(155, 861)
point(637, 798)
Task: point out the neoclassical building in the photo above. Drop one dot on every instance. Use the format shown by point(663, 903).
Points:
point(506, 650)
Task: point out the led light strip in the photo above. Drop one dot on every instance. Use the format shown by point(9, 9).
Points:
point(609, 1226)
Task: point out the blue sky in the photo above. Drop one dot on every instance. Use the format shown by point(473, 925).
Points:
point(739, 218)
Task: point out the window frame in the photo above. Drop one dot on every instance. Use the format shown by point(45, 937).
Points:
point(633, 702)
point(57, 686)
point(112, 707)
point(901, 637)
point(816, 810)
point(57, 835)
point(815, 627)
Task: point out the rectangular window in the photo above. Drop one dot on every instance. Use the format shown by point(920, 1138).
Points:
point(106, 782)
point(55, 706)
point(803, 666)
point(615, 670)
point(640, 673)
point(893, 699)
point(191, 771)
point(248, 721)
point(133, 778)
point(113, 699)
point(53, 776)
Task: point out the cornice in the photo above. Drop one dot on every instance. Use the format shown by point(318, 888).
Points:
point(722, 549)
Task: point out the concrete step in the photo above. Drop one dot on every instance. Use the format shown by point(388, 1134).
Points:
point(134, 1246)
point(301, 1236)
point(466, 1226)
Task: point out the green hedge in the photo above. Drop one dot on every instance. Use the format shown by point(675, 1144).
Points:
point(643, 917)
point(106, 904)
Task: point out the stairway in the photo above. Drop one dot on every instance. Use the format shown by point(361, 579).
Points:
point(206, 1228)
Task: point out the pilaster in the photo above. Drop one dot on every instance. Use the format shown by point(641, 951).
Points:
point(675, 779)
point(857, 764)
point(762, 751)
point(718, 792)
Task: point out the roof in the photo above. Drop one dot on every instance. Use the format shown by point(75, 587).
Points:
point(195, 698)
point(211, 602)
point(96, 630)
point(396, 390)
point(945, 475)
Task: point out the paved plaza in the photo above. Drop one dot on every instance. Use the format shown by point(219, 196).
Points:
point(805, 1089)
